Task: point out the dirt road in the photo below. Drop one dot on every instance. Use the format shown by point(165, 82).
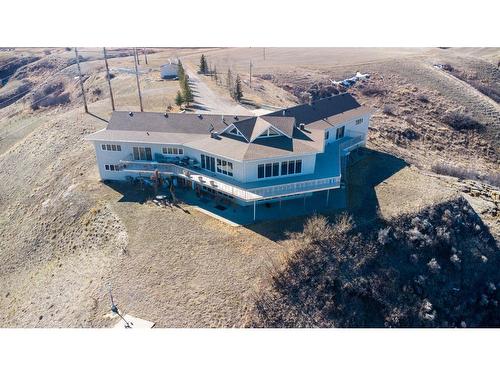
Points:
point(206, 101)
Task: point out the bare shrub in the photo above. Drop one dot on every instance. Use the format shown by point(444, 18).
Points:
point(459, 120)
point(492, 178)
point(373, 90)
point(454, 171)
point(410, 120)
point(423, 98)
point(389, 109)
point(340, 275)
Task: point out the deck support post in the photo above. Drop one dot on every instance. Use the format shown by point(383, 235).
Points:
point(254, 209)
point(327, 196)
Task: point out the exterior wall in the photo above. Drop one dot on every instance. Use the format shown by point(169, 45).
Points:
point(351, 129)
point(238, 168)
point(251, 167)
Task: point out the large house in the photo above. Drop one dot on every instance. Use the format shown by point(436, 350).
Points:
point(249, 160)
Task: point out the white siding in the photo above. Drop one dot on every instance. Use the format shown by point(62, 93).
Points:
point(351, 129)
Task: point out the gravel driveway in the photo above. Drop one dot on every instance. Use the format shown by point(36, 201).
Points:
point(206, 101)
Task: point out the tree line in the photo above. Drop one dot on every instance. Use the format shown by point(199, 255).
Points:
point(232, 84)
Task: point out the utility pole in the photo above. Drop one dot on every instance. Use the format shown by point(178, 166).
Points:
point(145, 56)
point(81, 82)
point(250, 73)
point(137, 79)
point(109, 79)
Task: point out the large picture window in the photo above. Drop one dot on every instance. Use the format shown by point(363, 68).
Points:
point(273, 169)
point(142, 153)
point(208, 162)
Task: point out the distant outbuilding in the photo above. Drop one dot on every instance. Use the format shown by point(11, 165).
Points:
point(169, 70)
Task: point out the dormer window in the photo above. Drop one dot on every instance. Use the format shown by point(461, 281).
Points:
point(270, 132)
point(235, 131)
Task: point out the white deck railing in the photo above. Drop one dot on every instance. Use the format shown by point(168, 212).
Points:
point(251, 194)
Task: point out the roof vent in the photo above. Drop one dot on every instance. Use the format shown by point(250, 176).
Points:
point(236, 117)
point(200, 116)
point(131, 114)
point(165, 114)
point(214, 135)
point(147, 133)
point(302, 126)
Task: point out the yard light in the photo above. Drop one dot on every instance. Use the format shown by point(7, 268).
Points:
point(114, 309)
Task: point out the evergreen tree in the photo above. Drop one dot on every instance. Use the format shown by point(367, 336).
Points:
point(180, 71)
point(187, 94)
point(203, 64)
point(179, 99)
point(238, 92)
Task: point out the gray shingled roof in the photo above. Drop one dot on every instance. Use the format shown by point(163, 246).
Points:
point(193, 130)
point(171, 122)
point(323, 108)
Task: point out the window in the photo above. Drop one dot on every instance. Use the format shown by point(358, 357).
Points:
point(172, 150)
point(298, 166)
point(340, 132)
point(273, 169)
point(359, 121)
point(111, 147)
point(270, 132)
point(269, 170)
point(260, 171)
point(142, 153)
point(276, 169)
point(224, 167)
point(208, 162)
point(291, 167)
point(284, 168)
point(327, 134)
point(111, 167)
point(235, 131)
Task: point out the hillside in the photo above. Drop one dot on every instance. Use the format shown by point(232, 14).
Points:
point(65, 237)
